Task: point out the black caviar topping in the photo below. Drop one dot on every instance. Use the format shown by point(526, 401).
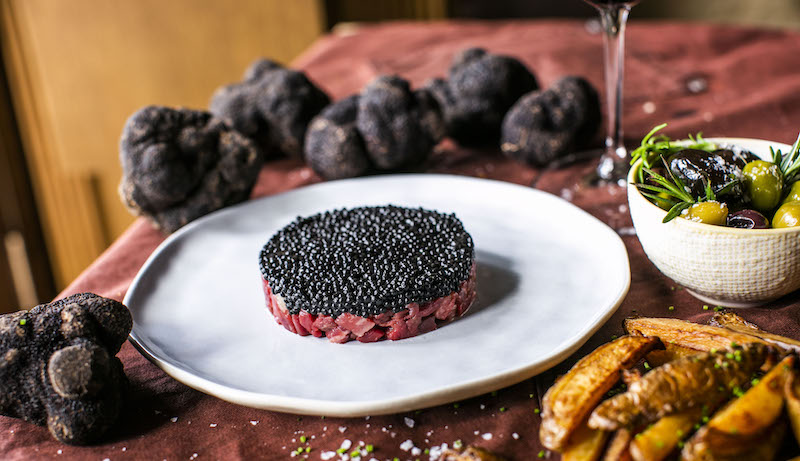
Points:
point(367, 260)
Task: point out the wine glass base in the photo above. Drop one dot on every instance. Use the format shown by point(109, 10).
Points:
point(616, 173)
point(612, 170)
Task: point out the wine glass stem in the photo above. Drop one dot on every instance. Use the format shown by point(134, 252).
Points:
point(613, 19)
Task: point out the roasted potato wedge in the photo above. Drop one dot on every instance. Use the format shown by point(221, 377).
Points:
point(708, 444)
point(585, 444)
point(572, 396)
point(792, 395)
point(680, 385)
point(618, 447)
point(687, 334)
point(662, 438)
point(735, 323)
point(757, 408)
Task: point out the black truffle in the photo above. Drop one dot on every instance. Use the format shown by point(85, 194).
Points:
point(399, 126)
point(272, 105)
point(543, 125)
point(58, 366)
point(334, 148)
point(180, 164)
point(480, 89)
point(367, 260)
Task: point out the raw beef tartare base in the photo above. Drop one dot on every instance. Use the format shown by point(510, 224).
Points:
point(413, 320)
point(369, 273)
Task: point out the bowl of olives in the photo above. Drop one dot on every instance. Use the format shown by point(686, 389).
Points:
point(719, 216)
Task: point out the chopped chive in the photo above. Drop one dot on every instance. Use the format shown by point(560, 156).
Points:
point(705, 307)
point(502, 409)
point(671, 308)
point(541, 454)
point(22, 321)
point(303, 439)
point(537, 411)
point(369, 448)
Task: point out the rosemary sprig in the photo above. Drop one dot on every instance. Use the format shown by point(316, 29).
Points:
point(789, 164)
point(654, 147)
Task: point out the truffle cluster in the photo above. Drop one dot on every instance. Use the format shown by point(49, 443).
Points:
point(543, 125)
point(58, 366)
point(365, 261)
point(385, 127)
point(480, 89)
point(180, 164)
point(273, 106)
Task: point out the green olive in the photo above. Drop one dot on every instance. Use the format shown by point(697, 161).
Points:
point(794, 193)
point(763, 182)
point(788, 215)
point(711, 212)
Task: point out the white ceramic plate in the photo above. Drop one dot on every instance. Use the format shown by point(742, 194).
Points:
point(549, 275)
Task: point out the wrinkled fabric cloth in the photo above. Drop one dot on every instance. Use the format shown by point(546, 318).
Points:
point(723, 81)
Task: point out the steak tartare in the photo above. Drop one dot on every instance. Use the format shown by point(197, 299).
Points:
point(369, 273)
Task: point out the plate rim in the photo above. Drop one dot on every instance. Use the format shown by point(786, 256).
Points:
point(442, 395)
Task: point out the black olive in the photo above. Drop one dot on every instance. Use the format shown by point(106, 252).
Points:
point(697, 167)
point(748, 219)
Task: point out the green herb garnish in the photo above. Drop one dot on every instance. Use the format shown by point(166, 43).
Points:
point(653, 147)
point(669, 191)
point(789, 164)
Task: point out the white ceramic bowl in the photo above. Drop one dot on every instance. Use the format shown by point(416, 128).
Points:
point(720, 265)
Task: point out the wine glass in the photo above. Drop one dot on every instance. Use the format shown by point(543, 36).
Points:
point(613, 16)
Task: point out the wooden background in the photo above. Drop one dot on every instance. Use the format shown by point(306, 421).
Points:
point(76, 69)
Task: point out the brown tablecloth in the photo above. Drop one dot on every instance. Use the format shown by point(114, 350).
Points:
point(724, 81)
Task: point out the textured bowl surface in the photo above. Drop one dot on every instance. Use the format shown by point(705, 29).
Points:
point(721, 265)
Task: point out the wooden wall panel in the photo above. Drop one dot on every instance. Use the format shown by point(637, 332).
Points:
point(79, 68)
